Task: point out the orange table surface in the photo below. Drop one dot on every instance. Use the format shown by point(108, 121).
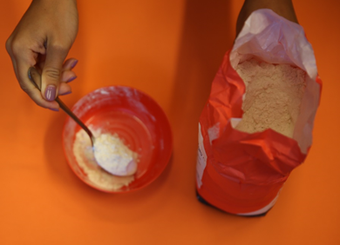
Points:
point(170, 50)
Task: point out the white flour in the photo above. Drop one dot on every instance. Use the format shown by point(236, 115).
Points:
point(273, 96)
point(83, 152)
point(114, 156)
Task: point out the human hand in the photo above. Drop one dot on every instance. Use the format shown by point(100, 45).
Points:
point(281, 7)
point(43, 39)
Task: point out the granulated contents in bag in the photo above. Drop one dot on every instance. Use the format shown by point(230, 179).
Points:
point(273, 96)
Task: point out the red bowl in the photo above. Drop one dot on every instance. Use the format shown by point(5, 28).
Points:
point(137, 119)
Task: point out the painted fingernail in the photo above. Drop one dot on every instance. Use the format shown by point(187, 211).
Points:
point(68, 92)
point(50, 92)
point(71, 79)
point(53, 109)
point(74, 63)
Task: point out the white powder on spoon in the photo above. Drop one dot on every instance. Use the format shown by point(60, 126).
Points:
point(83, 152)
point(273, 96)
point(114, 156)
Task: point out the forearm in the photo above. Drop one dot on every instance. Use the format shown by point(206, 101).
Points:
point(56, 5)
point(281, 7)
point(51, 1)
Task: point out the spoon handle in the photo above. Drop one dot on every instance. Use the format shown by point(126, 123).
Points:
point(35, 77)
point(74, 117)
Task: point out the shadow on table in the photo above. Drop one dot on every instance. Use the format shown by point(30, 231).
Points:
point(207, 34)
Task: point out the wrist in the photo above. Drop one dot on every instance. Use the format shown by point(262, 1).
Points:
point(283, 8)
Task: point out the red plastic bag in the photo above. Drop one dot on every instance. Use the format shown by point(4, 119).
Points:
point(243, 173)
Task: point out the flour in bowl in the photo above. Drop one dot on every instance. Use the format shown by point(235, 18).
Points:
point(273, 96)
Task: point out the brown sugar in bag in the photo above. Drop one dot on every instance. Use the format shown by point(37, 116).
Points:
point(257, 124)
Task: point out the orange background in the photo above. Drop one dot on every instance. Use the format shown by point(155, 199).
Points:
point(170, 50)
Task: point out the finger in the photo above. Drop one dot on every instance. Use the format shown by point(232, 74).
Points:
point(70, 64)
point(68, 76)
point(26, 85)
point(64, 89)
point(51, 73)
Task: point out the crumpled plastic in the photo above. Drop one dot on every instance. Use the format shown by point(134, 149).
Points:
point(242, 173)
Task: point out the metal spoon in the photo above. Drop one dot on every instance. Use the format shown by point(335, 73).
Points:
point(35, 77)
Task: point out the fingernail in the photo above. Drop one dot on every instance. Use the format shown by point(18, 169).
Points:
point(71, 79)
point(52, 109)
point(74, 63)
point(66, 93)
point(50, 92)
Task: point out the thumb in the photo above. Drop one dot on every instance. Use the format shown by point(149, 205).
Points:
point(51, 71)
